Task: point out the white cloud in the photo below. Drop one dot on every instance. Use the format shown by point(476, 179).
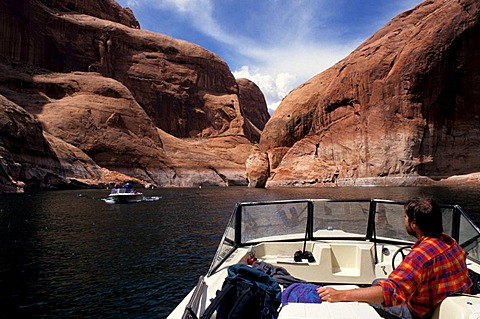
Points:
point(184, 5)
point(175, 5)
point(198, 13)
point(130, 3)
point(274, 86)
point(278, 71)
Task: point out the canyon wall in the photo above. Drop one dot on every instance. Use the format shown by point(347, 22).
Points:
point(97, 84)
point(89, 99)
point(401, 109)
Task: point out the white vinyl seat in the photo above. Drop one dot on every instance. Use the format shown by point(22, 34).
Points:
point(458, 307)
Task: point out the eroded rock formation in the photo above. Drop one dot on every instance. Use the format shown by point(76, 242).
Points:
point(107, 94)
point(186, 90)
point(255, 117)
point(402, 109)
point(257, 169)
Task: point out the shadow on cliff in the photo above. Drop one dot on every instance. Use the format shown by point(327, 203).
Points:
point(26, 155)
point(450, 97)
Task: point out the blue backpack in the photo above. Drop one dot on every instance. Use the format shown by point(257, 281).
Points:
point(246, 293)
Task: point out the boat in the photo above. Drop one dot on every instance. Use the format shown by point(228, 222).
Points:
point(124, 194)
point(341, 243)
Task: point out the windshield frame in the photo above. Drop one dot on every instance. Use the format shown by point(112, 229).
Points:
point(274, 221)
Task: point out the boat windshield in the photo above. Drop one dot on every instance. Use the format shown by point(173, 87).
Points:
point(123, 190)
point(389, 224)
point(326, 219)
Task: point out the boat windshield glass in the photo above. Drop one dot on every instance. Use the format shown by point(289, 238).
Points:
point(390, 221)
point(227, 244)
point(286, 220)
point(319, 219)
point(390, 224)
point(333, 218)
point(469, 233)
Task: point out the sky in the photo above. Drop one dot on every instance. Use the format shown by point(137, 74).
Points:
point(278, 44)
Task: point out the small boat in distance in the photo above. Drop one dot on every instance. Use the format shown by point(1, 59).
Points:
point(125, 194)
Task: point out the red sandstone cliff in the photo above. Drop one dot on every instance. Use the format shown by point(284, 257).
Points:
point(88, 97)
point(105, 98)
point(402, 109)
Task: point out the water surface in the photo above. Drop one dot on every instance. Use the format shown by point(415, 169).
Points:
point(68, 254)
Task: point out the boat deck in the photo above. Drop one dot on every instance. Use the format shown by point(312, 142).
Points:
point(326, 310)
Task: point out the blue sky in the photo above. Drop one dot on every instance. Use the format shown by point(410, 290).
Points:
point(278, 44)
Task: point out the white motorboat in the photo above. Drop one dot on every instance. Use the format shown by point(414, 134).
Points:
point(125, 194)
point(351, 243)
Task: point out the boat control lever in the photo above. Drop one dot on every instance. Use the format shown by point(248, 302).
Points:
point(304, 254)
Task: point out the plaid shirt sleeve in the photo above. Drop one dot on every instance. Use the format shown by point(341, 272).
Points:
point(433, 270)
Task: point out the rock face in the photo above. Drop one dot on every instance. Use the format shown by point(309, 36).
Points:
point(186, 90)
point(105, 96)
point(72, 119)
point(21, 128)
point(402, 109)
point(257, 169)
point(250, 99)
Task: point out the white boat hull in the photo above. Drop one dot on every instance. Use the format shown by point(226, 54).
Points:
point(126, 198)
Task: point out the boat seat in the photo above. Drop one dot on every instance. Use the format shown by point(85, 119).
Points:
point(458, 307)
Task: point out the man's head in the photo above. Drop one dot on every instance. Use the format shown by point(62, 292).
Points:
point(423, 217)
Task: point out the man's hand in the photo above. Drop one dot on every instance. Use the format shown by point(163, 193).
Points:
point(372, 294)
point(330, 294)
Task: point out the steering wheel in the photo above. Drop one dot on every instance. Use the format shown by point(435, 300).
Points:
point(400, 250)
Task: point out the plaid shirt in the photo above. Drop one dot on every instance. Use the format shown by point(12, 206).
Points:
point(434, 269)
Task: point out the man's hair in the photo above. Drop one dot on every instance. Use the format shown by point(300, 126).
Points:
point(427, 215)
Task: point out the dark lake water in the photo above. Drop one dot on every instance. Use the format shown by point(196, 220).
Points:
point(68, 254)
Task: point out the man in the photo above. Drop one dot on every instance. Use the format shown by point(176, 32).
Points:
point(434, 269)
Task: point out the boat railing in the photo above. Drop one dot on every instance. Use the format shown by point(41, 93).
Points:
point(192, 307)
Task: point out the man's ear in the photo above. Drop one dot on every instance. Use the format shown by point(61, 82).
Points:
point(414, 225)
